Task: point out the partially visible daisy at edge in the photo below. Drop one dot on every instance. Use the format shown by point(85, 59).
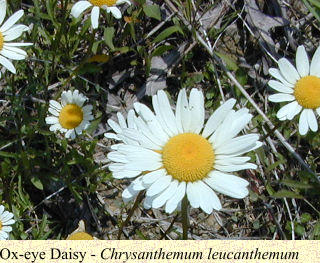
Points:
point(172, 155)
point(300, 86)
point(69, 116)
point(6, 219)
point(8, 32)
point(108, 5)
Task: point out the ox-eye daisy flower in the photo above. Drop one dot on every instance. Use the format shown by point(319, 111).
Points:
point(301, 87)
point(173, 155)
point(8, 32)
point(70, 116)
point(5, 222)
point(80, 233)
point(108, 5)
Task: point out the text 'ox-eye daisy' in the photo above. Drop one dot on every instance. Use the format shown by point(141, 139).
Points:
point(300, 86)
point(5, 222)
point(173, 155)
point(70, 116)
point(8, 32)
point(108, 5)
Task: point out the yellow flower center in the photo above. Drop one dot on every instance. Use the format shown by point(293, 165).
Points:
point(70, 116)
point(307, 92)
point(103, 2)
point(0, 225)
point(80, 236)
point(1, 41)
point(188, 157)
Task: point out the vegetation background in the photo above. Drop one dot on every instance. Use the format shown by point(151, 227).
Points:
point(50, 183)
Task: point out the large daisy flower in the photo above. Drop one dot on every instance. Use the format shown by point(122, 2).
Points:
point(173, 155)
point(8, 32)
point(108, 5)
point(70, 116)
point(5, 222)
point(300, 86)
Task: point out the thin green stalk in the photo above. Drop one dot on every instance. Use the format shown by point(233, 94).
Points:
point(135, 205)
point(185, 218)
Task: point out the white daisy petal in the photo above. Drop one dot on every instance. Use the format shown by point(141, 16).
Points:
point(115, 12)
point(52, 120)
point(193, 194)
point(277, 74)
point(11, 55)
point(173, 202)
point(312, 121)
point(278, 86)
point(3, 8)
point(303, 122)
point(55, 104)
point(315, 63)
point(196, 106)
point(162, 198)
point(14, 32)
point(208, 199)
point(288, 71)
point(281, 97)
point(161, 102)
point(7, 64)
point(302, 61)
point(95, 12)
point(151, 120)
point(286, 110)
point(217, 117)
point(182, 112)
point(79, 7)
point(129, 194)
point(228, 184)
point(11, 21)
point(158, 186)
point(151, 177)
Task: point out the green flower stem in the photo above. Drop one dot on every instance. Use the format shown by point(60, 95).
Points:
point(185, 217)
point(135, 205)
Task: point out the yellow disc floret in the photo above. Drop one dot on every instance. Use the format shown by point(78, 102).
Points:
point(80, 236)
point(103, 2)
point(70, 116)
point(188, 157)
point(1, 41)
point(307, 92)
point(0, 224)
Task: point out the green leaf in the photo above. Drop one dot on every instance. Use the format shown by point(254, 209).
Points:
point(305, 218)
point(316, 230)
point(161, 49)
point(295, 184)
point(36, 182)
point(230, 63)
point(300, 230)
point(287, 194)
point(108, 37)
point(7, 154)
point(152, 11)
point(274, 165)
point(167, 32)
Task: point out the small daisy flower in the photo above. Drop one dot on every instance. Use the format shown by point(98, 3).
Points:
point(108, 5)
point(5, 222)
point(70, 116)
point(8, 32)
point(173, 155)
point(300, 86)
point(80, 233)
